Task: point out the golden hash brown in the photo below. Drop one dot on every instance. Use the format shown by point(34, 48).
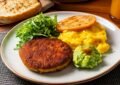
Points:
point(76, 23)
point(45, 55)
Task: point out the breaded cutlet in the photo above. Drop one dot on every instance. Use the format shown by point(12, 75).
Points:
point(45, 55)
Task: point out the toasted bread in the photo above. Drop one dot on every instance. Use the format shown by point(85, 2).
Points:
point(15, 10)
point(76, 23)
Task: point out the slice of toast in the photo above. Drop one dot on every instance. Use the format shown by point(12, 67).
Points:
point(76, 23)
point(15, 10)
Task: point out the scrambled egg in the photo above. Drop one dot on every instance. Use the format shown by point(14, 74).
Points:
point(96, 35)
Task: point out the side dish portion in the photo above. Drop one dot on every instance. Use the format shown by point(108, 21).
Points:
point(76, 23)
point(38, 26)
point(86, 57)
point(94, 35)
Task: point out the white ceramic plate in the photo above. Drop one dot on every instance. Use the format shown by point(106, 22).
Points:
point(69, 75)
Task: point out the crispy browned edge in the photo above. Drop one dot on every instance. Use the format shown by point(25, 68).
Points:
point(23, 15)
point(77, 28)
point(47, 70)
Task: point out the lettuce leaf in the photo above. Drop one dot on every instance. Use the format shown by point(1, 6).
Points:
point(38, 26)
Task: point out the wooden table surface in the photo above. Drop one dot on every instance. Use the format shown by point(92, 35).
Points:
point(98, 7)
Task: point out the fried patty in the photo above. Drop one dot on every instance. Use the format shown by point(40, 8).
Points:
point(45, 54)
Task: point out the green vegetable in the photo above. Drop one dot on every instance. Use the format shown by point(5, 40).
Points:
point(86, 57)
point(40, 25)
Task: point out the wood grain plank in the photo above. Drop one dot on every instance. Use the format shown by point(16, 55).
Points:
point(102, 6)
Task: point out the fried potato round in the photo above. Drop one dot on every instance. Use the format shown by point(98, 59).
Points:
point(45, 55)
point(76, 23)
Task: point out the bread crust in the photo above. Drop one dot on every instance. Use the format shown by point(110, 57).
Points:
point(31, 11)
point(76, 23)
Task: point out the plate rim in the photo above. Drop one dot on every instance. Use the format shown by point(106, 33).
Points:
point(70, 82)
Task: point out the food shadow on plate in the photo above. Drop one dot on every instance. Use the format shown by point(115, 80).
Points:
point(110, 36)
point(111, 40)
point(66, 71)
point(97, 68)
point(100, 66)
point(71, 69)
